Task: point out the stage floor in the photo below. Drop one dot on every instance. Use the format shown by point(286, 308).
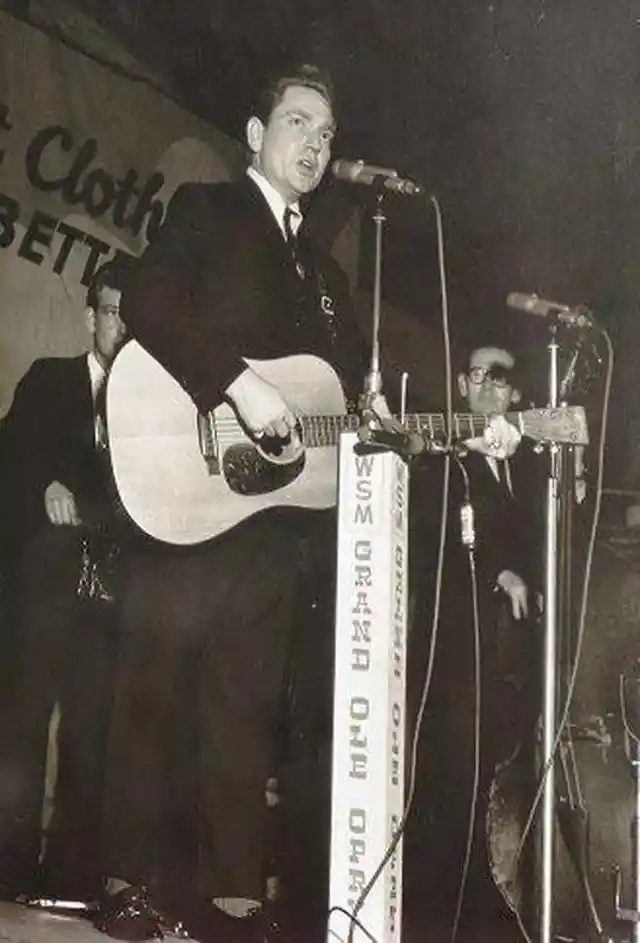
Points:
point(27, 925)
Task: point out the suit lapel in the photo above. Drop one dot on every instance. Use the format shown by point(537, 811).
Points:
point(310, 296)
point(267, 227)
point(485, 480)
point(269, 234)
point(80, 397)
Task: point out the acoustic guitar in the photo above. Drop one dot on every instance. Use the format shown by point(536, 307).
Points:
point(184, 478)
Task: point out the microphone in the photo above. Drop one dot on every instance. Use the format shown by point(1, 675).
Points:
point(356, 171)
point(573, 317)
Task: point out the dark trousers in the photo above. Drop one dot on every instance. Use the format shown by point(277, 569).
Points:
point(65, 653)
point(206, 636)
point(302, 843)
point(437, 832)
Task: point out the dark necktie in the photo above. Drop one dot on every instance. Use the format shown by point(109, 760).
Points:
point(314, 287)
point(100, 414)
point(293, 242)
point(504, 476)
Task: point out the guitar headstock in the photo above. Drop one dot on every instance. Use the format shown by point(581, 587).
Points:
point(565, 425)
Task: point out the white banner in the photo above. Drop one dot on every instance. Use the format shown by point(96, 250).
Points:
point(88, 162)
point(369, 695)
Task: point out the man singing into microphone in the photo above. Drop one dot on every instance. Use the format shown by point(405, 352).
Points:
point(230, 277)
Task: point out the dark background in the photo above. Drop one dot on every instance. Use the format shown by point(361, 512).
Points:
point(522, 116)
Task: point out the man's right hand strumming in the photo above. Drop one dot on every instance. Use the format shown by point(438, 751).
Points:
point(261, 406)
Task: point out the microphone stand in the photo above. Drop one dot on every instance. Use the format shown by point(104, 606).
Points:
point(393, 437)
point(373, 380)
point(557, 620)
point(550, 666)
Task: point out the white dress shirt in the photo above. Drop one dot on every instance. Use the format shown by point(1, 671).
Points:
point(277, 203)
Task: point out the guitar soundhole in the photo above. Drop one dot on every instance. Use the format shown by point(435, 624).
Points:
point(247, 472)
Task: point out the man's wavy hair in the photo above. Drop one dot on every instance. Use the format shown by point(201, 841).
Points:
point(306, 76)
point(113, 274)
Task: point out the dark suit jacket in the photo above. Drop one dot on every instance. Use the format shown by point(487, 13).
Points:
point(219, 284)
point(48, 435)
point(508, 527)
point(58, 648)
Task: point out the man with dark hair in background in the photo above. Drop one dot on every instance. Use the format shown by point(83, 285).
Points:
point(60, 557)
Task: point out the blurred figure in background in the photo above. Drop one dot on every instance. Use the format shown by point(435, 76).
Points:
point(61, 560)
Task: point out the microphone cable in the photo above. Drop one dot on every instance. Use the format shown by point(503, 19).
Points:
point(468, 538)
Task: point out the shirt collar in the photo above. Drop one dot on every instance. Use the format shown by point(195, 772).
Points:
point(495, 470)
point(97, 373)
point(277, 203)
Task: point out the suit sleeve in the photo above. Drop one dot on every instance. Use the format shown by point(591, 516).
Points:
point(188, 299)
point(30, 461)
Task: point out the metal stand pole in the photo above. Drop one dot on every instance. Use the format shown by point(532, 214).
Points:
point(550, 666)
point(373, 383)
point(635, 842)
point(631, 699)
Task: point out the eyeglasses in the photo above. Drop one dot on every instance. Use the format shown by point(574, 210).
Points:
point(498, 376)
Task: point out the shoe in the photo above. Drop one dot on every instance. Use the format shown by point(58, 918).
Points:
point(128, 915)
point(207, 923)
point(268, 924)
point(18, 868)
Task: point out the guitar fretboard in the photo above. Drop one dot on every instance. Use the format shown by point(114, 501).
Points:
point(326, 430)
point(319, 431)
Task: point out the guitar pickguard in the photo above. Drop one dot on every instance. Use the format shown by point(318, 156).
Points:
point(247, 472)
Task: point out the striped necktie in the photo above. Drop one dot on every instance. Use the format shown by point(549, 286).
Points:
point(291, 233)
point(314, 285)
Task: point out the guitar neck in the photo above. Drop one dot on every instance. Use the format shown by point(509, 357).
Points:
point(326, 430)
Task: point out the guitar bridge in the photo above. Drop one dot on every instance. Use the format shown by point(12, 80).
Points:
point(208, 441)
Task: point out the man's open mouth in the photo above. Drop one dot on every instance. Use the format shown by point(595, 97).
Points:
point(307, 166)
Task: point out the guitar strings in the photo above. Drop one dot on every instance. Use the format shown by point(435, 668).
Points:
point(323, 430)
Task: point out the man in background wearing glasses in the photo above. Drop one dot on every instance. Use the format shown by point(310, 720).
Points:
point(59, 567)
point(490, 387)
point(505, 506)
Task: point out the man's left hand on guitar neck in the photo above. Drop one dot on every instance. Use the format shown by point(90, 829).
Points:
point(499, 440)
